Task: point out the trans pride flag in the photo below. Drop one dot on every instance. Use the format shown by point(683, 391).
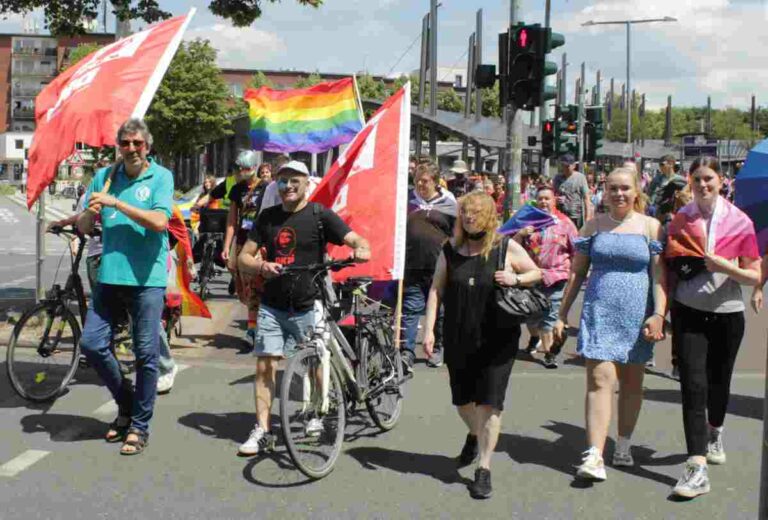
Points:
point(312, 119)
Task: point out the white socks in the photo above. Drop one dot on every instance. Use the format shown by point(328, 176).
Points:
point(623, 444)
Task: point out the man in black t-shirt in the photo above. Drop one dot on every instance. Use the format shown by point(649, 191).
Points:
point(293, 233)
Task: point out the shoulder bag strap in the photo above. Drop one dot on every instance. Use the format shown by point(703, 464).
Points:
point(316, 210)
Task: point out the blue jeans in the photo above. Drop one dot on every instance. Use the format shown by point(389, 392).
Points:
point(145, 306)
point(414, 306)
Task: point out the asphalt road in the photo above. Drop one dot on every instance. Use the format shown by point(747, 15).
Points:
point(56, 465)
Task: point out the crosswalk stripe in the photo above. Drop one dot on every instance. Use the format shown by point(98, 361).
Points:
point(15, 466)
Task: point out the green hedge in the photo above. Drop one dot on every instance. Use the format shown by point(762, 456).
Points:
point(7, 189)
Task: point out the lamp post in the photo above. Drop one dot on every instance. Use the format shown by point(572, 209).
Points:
point(628, 24)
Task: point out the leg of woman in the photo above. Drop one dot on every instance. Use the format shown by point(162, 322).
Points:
point(468, 414)
point(630, 397)
point(488, 420)
point(601, 378)
point(720, 361)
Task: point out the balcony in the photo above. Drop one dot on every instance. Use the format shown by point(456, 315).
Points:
point(26, 92)
point(39, 72)
point(23, 113)
point(33, 52)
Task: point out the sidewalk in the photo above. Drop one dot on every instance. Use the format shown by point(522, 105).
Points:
point(56, 208)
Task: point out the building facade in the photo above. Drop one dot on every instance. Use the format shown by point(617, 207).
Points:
point(28, 62)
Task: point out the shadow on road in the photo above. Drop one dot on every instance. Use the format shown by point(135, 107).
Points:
point(65, 428)
point(219, 341)
point(741, 405)
point(233, 426)
point(438, 467)
point(563, 454)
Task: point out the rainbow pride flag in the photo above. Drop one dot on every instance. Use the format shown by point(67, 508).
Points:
point(312, 119)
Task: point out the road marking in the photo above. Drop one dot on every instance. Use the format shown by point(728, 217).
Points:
point(17, 282)
point(22, 462)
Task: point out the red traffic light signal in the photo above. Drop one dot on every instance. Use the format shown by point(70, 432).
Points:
point(548, 127)
point(523, 38)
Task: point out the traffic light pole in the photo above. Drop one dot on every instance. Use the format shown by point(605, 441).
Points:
point(514, 141)
point(580, 135)
point(544, 110)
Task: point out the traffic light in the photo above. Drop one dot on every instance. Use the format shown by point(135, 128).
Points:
point(548, 139)
point(593, 140)
point(527, 68)
point(566, 129)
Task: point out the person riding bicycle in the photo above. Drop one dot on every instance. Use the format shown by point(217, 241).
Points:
point(134, 201)
point(294, 233)
point(245, 202)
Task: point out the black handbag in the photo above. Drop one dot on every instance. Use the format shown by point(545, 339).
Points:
point(520, 304)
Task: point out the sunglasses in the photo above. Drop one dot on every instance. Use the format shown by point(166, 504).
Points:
point(137, 143)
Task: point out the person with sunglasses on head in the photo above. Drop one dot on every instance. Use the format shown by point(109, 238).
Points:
point(708, 313)
point(245, 200)
point(294, 233)
point(134, 202)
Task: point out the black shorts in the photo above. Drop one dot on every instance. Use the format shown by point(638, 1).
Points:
point(482, 378)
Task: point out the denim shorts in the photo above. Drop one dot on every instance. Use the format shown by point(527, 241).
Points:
point(278, 331)
point(555, 295)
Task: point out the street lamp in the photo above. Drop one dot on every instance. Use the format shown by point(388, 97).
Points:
point(629, 23)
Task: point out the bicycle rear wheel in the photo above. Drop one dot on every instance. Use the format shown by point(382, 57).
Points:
point(313, 437)
point(383, 372)
point(44, 352)
point(206, 271)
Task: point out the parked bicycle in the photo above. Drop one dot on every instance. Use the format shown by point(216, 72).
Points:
point(44, 349)
point(213, 223)
point(328, 376)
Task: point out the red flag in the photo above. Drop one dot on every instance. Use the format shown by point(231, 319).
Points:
point(90, 100)
point(368, 188)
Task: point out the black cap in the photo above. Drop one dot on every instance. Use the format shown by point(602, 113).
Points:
point(567, 159)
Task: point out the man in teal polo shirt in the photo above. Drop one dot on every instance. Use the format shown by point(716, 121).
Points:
point(134, 212)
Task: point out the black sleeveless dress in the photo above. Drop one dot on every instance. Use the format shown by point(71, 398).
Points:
point(479, 348)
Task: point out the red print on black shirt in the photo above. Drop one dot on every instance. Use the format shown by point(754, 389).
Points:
point(285, 246)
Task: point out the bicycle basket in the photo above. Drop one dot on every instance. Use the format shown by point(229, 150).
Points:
point(213, 220)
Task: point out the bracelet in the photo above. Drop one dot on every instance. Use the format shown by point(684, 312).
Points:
point(662, 316)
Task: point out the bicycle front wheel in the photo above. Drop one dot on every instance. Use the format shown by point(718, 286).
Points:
point(313, 432)
point(44, 351)
point(383, 372)
point(206, 271)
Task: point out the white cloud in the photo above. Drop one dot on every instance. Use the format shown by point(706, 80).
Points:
point(240, 47)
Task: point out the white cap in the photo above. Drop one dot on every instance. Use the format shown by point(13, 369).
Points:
point(294, 166)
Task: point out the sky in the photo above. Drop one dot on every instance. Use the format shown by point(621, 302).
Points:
point(716, 47)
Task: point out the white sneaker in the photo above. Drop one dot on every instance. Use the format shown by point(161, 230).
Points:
point(592, 466)
point(694, 482)
point(258, 441)
point(715, 450)
point(314, 427)
point(623, 458)
point(165, 381)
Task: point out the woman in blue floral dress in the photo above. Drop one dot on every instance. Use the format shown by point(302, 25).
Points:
point(623, 313)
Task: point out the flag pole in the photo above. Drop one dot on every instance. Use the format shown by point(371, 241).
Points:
point(358, 100)
point(399, 313)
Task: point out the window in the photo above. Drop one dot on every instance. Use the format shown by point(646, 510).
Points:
point(19, 144)
point(457, 82)
point(236, 89)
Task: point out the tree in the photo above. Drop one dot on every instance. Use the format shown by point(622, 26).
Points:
point(450, 101)
point(80, 52)
point(308, 81)
point(193, 105)
point(371, 88)
point(258, 80)
point(65, 17)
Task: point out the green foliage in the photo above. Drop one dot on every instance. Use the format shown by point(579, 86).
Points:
point(64, 17)
point(258, 80)
point(81, 51)
point(450, 100)
point(7, 189)
point(489, 99)
point(371, 88)
point(308, 81)
point(192, 105)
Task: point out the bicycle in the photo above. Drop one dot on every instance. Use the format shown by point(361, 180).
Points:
point(212, 225)
point(44, 349)
point(327, 372)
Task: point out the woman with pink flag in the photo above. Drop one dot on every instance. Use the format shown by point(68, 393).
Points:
point(712, 249)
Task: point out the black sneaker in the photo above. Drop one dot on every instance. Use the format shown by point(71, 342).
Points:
point(408, 358)
point(481, 487)
point(550, 361)
point(469, 452)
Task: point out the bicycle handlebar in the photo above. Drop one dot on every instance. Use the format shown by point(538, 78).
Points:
point(333, 265)
point(72, 230)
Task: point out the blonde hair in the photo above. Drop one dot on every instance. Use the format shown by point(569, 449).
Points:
point(640, 197)
point(484, 205)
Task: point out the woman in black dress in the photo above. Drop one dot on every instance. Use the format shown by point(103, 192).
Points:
point(479, 345)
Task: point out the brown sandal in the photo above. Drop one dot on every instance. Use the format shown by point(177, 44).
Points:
point(117, 429)
point(138, 445)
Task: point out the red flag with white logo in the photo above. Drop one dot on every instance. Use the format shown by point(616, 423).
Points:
point(368, 188)
point(90, 100)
